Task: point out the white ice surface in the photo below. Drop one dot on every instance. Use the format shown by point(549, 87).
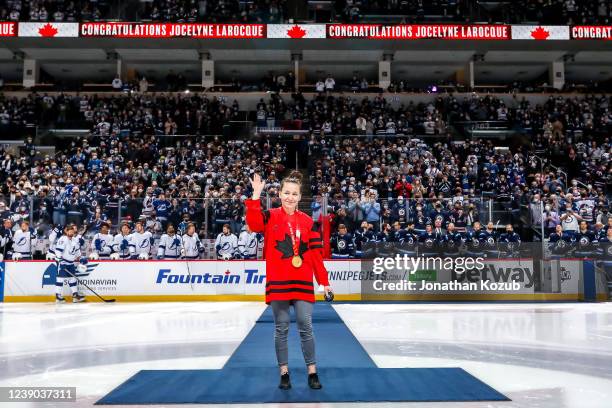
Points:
point(539, 355)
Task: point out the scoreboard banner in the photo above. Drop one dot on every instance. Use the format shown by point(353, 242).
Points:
point(419, 31)
point(465, 32)
point(592, 32)
point(296, 31)
point(500, 279)
point(48, 30)
point(540, 33)
point(173, 30)
point(8, 29)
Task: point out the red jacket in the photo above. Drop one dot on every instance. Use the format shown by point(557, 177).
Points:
point(283, 280)
point(403, 188)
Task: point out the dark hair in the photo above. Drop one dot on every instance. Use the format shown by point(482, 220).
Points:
point(293, 177)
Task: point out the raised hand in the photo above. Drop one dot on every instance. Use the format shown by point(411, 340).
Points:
point(258, 185)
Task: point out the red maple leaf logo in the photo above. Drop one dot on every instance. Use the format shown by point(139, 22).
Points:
point(540, 34)
point(47, 30)
point(296, 32)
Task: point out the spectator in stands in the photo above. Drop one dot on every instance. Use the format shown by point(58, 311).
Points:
point(371, 209)
point(551, 219)
point(330, 84)
point(111, 166)
point(117, 83)
point(320, 86)
point(143, 85)
point(569, 218)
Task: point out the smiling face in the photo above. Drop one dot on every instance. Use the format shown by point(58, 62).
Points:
point(290, 196)
point(191, 229)
point(69, 231)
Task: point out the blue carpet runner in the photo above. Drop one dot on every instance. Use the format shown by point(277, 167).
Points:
point(347, 372)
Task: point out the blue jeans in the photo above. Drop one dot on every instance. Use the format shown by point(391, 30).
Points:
point(303, 311)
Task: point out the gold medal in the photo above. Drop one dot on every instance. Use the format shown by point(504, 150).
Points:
point(296, 261)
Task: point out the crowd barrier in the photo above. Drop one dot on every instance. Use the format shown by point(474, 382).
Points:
point(179, 280)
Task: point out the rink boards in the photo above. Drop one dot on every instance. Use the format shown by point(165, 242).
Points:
point(169, 280)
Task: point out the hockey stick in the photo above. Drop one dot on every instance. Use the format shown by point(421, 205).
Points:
point(187, 264)
point(90, 289)
point(189, 273)
point(497, 242)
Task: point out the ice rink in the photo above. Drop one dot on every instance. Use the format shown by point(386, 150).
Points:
point(539, 355)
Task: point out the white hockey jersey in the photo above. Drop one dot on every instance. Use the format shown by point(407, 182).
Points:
point(22, 242)
point(248, 242)
point(226, 245)
point(102, 244)
point(121, 245)
point(67, 250)
point(55, 234)
point(192, 246)
point(169, 247)
point(141, 243)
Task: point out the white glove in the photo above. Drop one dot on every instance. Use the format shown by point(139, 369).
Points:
point(1, 257)
point(82, 268)
point(183, 252)
point(50, 256)
point(114, 256)
point(94, 256)
point(226, 256)
point(16, 256)
point(143, 256)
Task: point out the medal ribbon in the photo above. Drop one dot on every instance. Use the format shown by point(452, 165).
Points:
point(295, 237)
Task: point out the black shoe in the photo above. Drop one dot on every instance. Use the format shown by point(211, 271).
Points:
point(285, 382)
point(313, 381)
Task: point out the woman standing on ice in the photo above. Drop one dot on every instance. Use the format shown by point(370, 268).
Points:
point(293, 253)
